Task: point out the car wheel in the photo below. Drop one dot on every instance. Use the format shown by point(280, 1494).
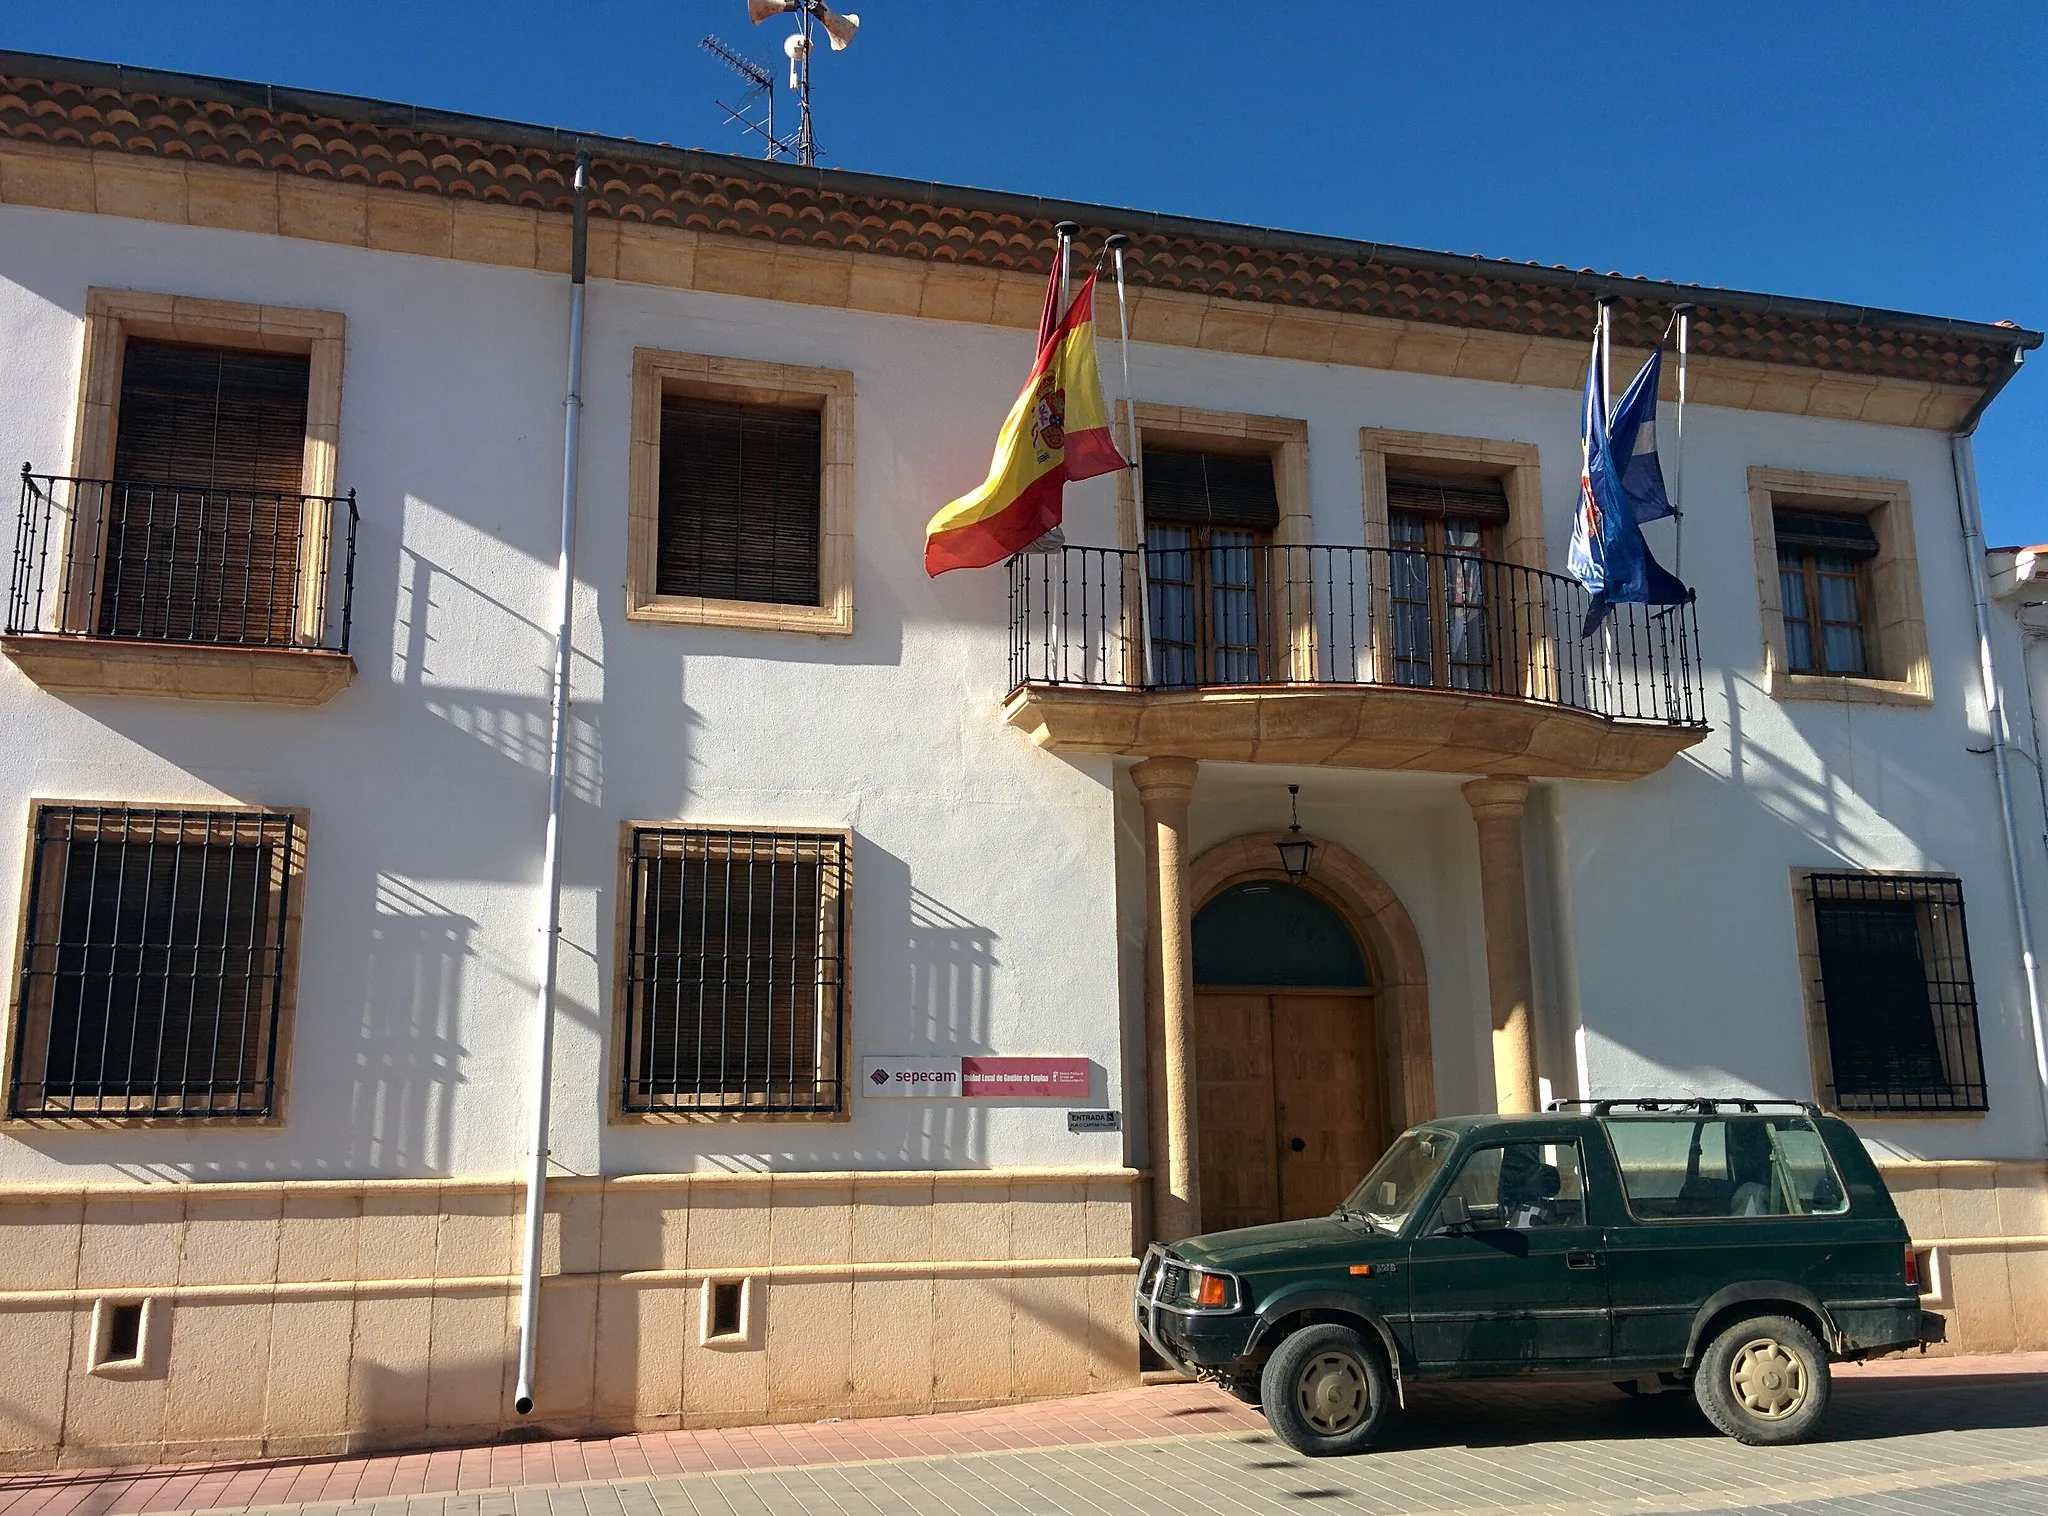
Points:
point(1764, 1381)
point(1325, 1391)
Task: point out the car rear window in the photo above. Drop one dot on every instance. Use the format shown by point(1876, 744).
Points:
point(1677, 1168)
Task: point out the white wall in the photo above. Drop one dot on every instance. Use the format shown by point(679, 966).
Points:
point(984, 904)
point(992, 896)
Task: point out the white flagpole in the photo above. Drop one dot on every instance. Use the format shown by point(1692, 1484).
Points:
point(1609, 658)
point(1678, 447)
point(1067, 231)
point(1607, 359)
point(1115, 246)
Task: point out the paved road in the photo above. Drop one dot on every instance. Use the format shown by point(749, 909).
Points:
point(1896, 1444)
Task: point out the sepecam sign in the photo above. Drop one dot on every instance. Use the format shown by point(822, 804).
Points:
point(976, 1078)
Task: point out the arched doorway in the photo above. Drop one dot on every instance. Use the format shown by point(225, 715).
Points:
point(1311, 1027)
point(1286, 1081)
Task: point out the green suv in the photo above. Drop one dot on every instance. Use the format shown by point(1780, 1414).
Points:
point(1739, 1246)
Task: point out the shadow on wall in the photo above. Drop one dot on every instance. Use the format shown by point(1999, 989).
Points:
point(514, 726)
point(1816, 815)
point(409, 1055)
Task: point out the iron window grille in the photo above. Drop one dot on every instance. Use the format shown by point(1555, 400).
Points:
point(1897, 999)
point(154, 964)
point(735, 971)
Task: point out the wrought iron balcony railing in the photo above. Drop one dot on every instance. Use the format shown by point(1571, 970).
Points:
point(147, 561)
point(1346, 616)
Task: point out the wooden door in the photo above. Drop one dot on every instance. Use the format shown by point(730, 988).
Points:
point(1273, 1068)
point(1235, 1136)
point(1326, 1101)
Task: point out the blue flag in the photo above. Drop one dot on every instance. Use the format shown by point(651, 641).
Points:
point(1632, 435)
point(1608, 554)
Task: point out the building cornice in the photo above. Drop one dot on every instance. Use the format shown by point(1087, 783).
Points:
point(1250, 275)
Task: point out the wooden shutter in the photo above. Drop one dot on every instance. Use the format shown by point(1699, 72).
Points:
point(207, 416)
point(1828, 532)
point(1482, 500)
point(739, 501)
point(1213, 489)
point(203, 520)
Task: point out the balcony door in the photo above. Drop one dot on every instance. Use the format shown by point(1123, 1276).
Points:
point(1208, 544)
point(202, 520)
point(1444, 582)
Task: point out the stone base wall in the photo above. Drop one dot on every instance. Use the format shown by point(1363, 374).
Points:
point(323, 1317)
point(1981, 1228)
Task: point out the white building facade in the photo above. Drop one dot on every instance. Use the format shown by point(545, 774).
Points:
point(288, 374)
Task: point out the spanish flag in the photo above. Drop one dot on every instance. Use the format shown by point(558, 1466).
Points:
point(1058, 430)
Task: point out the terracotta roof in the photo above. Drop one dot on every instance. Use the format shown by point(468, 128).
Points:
point(112, 108)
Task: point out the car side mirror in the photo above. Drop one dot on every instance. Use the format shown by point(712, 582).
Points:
point(1453, 1215)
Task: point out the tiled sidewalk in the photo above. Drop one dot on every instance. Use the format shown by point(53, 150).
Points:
point(1155, 1414)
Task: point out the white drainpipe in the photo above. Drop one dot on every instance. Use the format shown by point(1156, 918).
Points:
point(1994, 709)
point(551, 858)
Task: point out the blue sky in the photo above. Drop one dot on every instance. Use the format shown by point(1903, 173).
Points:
point(1880, 153)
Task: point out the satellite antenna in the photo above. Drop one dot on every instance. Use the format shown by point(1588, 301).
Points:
point(756, 110)
point(810, 15)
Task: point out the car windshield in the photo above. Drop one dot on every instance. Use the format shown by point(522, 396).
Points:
point(1389, 1192)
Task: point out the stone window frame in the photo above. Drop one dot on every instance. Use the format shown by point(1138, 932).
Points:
point(660, 372)
point(1895, 624)
point(616, 1113)
point(293, 886)
point(1518, 465)
point(112, 316)
point(1819, 1051)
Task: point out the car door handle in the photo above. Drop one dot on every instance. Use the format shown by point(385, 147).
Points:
point(1580, 1259)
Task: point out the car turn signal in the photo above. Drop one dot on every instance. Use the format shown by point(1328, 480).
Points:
point(1361, 1268)
point(1214, 1290)
point(1912, 1267)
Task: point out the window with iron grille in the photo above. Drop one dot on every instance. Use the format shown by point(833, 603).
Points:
point(155, 969)
point(734, 974)
point(1898, 1010)
point(739, 501)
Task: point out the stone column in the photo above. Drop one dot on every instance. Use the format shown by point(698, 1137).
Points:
point(1164, 786)
point(1497, 806)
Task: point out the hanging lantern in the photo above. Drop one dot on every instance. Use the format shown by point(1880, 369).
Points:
point(1295, 849)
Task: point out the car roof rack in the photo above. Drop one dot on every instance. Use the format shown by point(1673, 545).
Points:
point(1699, 1105)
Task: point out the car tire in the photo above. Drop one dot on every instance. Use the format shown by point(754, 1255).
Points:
point(1764, 1381)
point(1325, 1391)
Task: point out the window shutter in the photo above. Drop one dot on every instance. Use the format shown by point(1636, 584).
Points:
point(203, 521)
point(1482, 500)
point(739, 501)
point(1845, 535)
point(1212, 489)
point(205, 416)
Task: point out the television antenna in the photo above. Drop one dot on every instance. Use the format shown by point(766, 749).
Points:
point(811, 16)
point(756, 110)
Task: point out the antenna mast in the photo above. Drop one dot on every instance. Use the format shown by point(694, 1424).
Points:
point(810, 15)
point(760, 95)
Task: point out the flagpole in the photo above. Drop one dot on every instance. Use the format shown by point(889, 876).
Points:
point(1684, 314)
point(1607, 359)
point(1066, 231)
point(1609, 657)
point(1115, 247)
